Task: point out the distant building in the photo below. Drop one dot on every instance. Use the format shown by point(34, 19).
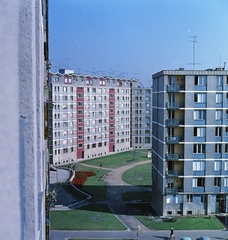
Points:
point(92, 116)
point(190, 135)
point(24, 58)
point(141, 115)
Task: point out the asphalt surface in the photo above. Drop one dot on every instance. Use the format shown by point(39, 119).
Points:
point(135, 229)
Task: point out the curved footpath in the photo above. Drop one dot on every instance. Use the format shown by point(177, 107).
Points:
point(115, 186)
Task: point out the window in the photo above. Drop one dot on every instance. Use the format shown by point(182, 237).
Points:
point(218, 98)
point(199, 148)
point(65, 150)
point(218, 114)
point(64, 133)
point(201, 80)
point(217, 182)
point(189, 198)
point(79, 137)
point(226, 165)
point(111, 95)
point(199, 115)
point(218, 148)
point(79, 112)
point(79, 104)
point(80, 145)
point(225, 182)
point(199, 132)
point(198, 166)
point(79, 129)
point(217, 165)
point(226, 148)
point(80, 95)
point(219, 80)
point(200, 97)
point(80, 120)
point(218, 131)
point(198, 182)
point(64, 89)
point(65, 124)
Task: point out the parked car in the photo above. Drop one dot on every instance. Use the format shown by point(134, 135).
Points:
point(185, 238)
point(203, 238)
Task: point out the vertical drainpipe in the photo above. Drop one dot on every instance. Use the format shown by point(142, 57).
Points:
point(23, 121)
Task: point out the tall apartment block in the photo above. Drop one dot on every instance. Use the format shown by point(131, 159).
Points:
point(90, 115)
point(190, 142)
point(141, 115)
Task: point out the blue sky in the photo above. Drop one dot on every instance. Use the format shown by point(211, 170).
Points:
point(137, 38)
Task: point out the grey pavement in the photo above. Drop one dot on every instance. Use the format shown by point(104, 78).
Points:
point(61, 175)
point(135, 229)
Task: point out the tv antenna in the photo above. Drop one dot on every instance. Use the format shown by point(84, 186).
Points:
point(194, 41)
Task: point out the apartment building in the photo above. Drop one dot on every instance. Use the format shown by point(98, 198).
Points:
point(90, 116)
point(190, 149)
point(141, 115)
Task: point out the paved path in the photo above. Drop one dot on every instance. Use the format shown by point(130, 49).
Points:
point(115, 186)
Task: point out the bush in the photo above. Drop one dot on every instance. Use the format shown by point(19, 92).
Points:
point(80, 177)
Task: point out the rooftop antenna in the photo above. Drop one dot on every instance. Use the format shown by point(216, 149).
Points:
point(194, 41)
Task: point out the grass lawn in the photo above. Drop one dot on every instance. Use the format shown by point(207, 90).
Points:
point(185, 223)
point(90, 217)
point(139, 176)
point(119, 159)
point(93, 185)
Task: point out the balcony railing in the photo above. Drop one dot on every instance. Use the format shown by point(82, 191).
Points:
point(173, 139)
point(171, 190)
point(172, 122)
point(173, 88)
point(172, 156)
point(173, 105)
point(172, 173)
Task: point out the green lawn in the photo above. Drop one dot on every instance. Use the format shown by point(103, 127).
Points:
point(93, 185)
point(90, 217)
point(139, 176)
point(119, 159)
point(185, 223)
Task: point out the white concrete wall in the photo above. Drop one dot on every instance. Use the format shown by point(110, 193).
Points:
point(21, 120)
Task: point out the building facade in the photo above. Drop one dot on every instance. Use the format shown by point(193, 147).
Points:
point(90, 115)
point(141, 116)
point(24, 57)
point(190, 149)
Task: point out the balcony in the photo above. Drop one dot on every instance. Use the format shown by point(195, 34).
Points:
point(173, 139)
point(173, 105)
point(172, 122)
point(171, 190)
point(172, 173)
point(172, 156)
point(173, 88)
